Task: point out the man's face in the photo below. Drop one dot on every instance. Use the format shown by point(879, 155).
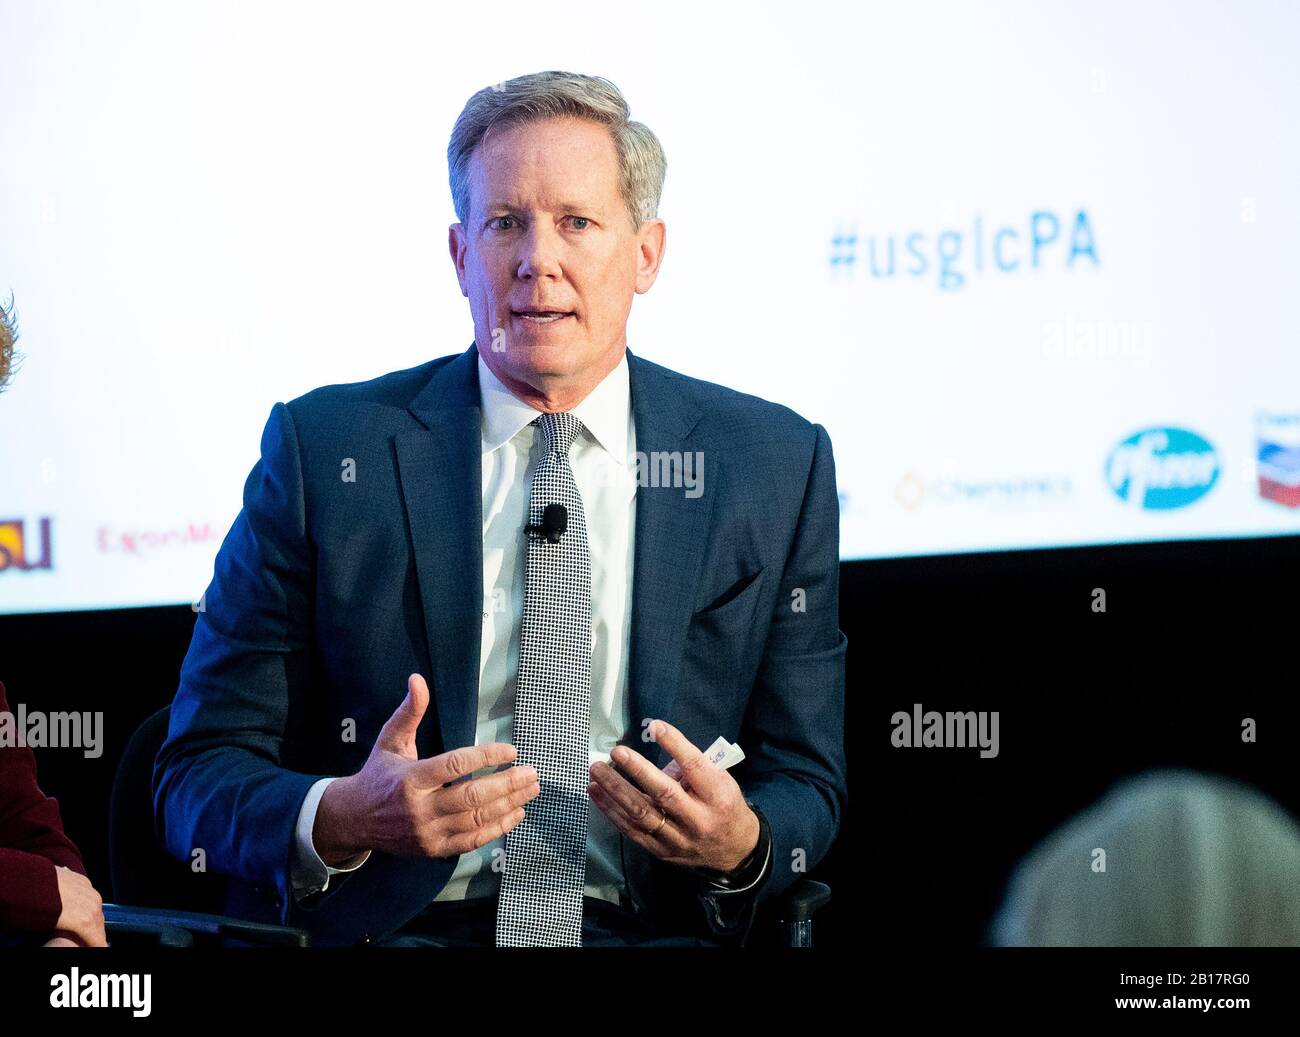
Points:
point(548, 230)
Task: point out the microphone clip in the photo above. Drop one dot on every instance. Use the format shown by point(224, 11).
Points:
point(555, 520)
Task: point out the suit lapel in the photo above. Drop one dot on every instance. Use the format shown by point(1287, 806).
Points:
point(671, 530)
point(441, 476)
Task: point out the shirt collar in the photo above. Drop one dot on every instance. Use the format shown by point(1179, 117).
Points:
point(604, 411)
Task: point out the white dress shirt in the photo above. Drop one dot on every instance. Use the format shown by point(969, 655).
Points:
point(604, 469)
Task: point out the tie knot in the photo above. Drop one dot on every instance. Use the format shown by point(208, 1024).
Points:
point(559, 430)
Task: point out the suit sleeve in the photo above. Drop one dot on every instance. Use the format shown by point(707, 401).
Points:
point(729, 905)
point(32, 843)
point(794, 726)
point(219, 782)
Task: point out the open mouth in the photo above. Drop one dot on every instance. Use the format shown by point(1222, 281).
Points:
point(542, 316)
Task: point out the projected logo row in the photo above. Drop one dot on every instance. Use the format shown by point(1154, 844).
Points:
point(1154, 469)
point(24, 546)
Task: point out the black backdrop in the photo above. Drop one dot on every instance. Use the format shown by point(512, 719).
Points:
point(1195, 637)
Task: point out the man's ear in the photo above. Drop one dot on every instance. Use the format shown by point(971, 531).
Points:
point(651, 241)
point(455, 235)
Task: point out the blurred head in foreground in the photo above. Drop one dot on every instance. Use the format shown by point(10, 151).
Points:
point(1190, 860)
point(8, 336)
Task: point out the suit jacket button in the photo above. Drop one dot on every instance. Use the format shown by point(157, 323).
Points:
point(365, 940)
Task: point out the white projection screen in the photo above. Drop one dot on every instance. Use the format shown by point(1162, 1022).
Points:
point(1031, 264)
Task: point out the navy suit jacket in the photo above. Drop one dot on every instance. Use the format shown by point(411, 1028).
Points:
point(326, 594)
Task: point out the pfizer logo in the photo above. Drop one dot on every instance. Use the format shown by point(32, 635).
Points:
point(1162, 468)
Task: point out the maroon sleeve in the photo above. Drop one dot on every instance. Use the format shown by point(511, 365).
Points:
point(32, 842)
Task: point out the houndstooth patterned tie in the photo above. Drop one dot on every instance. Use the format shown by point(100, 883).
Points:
point(540, 902)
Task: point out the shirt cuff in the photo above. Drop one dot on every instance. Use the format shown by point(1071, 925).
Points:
point(308, 873)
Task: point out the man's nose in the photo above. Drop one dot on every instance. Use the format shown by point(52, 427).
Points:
point(540, 251)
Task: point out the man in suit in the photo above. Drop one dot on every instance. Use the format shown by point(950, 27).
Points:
point(601, 565)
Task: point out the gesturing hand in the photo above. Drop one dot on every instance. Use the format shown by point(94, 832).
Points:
point(692, 812)
point(408, 807)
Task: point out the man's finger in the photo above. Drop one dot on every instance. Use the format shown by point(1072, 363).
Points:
point(662, 841)
point(398, 733)
point(468, 842)
point(491, 809)
point(646, 791)
point(440, 770)
point(695, 770)
point(482, 792)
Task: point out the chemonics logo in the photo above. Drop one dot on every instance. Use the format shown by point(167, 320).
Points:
point(1162, 468)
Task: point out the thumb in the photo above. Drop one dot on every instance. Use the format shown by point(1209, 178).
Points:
point(398, 733)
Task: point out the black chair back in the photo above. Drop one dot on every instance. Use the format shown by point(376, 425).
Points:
point(144, 874)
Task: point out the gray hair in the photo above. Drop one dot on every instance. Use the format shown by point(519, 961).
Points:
point(1192, 860)
point(549, 95)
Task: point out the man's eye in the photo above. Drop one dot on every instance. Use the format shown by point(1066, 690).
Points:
point(581, 219)
point(497, 222)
